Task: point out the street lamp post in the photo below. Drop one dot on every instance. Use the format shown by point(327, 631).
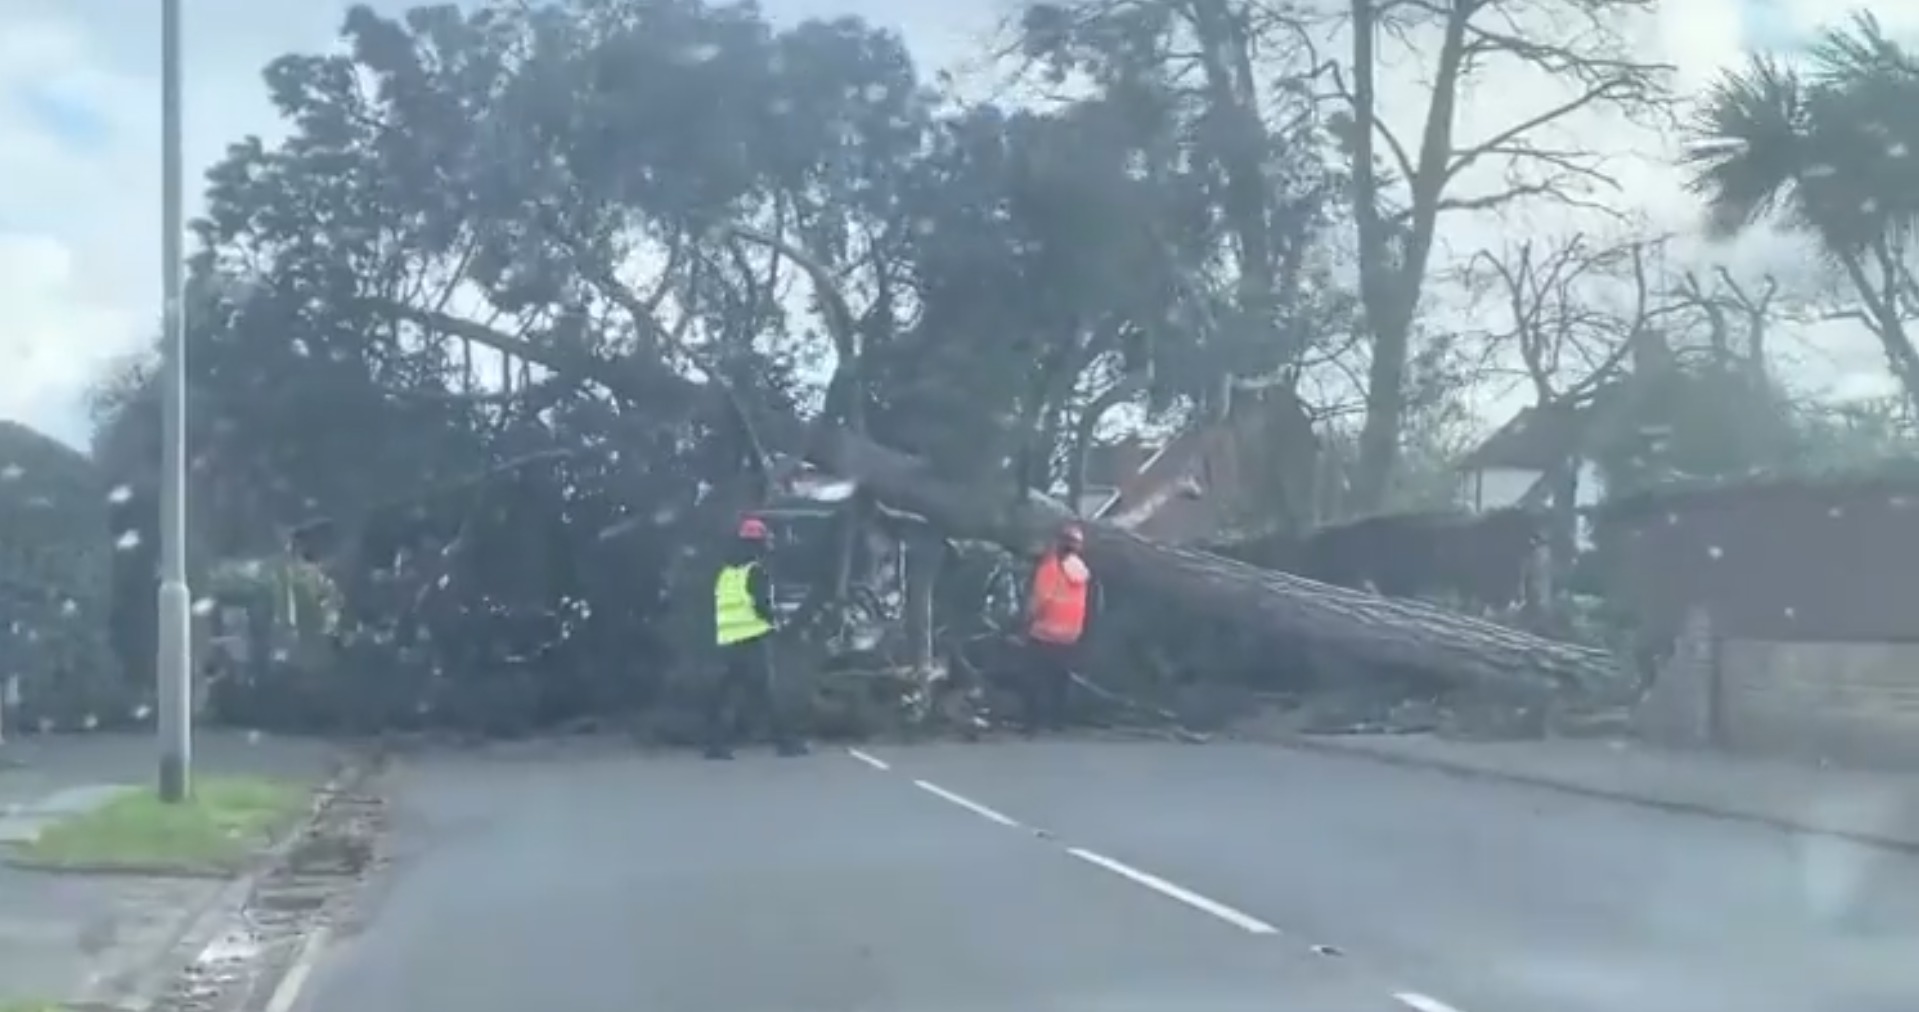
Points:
point(174, 665)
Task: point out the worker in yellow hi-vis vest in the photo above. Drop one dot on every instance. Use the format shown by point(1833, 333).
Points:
point(743, 630)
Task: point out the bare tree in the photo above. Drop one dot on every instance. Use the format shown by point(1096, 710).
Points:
point(1578, 313)
point(1735, 317)
point(1578, 42)
point(1559, 298)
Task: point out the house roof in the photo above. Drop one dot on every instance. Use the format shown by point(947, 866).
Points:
point(1173, 461)
point(1535, 439)
point(1539, 437)
point(1897, 477)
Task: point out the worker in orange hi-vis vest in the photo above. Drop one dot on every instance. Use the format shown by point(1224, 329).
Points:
point(1056, 612)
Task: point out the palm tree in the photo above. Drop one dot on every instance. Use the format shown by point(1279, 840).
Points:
point(1829, 147)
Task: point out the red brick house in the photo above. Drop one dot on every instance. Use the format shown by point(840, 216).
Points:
point(1210, 481)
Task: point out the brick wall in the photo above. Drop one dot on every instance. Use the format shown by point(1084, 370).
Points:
point(1854, 703)
point(1677, 709)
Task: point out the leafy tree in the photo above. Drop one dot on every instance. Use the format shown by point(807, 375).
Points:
point(56, 561)
point(1827, 150)
point(1216, 98)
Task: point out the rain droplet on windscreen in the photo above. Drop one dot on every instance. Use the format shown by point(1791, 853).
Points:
point(120, 494)
point(702, 52)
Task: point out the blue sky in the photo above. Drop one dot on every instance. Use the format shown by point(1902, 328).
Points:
point(65, 117)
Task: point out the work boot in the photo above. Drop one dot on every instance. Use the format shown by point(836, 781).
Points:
point(791, 748)
point(718, 752)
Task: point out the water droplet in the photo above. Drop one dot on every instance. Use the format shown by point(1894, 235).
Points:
point(120, 494)
point(127, 541)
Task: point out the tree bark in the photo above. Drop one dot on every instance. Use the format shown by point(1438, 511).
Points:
point(1404, 633)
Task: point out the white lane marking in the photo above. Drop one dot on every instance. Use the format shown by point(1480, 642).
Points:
point(967, 803)
point(288, 990)
point(1422, 1003)
point(870, 760)
point(1238, 919)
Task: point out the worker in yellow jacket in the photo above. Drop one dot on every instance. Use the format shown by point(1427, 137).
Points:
point(744, 624)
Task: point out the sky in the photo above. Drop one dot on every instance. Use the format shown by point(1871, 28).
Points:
point(79, 154)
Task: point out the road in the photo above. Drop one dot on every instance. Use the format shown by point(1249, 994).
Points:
point(1096, 876)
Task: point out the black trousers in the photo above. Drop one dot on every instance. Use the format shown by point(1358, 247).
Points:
point(743, 693)
point(1049, 675)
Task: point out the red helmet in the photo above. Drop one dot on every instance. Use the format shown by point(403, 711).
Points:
point(753, 529)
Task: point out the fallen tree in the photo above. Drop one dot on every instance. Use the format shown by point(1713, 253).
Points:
point(1400, 633)
point(1376, 630)
point(1379, 630)
point(522, 535)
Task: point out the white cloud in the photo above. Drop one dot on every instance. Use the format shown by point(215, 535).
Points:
point(57, 321)
point(79, 217)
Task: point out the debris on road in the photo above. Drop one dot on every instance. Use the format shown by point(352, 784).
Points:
point(311, 888)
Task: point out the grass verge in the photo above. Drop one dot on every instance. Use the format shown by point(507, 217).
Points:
point(29, 1006)
point(217, 831)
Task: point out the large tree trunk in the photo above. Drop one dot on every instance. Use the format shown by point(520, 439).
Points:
point(1374, 629)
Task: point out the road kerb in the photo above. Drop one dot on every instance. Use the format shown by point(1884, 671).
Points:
point(1685, 806)
point(286, 993)
point(137, 986)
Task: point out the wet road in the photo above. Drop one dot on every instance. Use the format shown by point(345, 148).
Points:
point(1096, 876)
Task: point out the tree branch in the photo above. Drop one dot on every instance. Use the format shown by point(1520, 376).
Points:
point(1464, 157)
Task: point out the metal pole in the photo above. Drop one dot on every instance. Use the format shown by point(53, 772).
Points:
point(174, 665)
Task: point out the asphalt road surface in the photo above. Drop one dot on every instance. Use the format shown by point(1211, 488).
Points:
point(1096, 876)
